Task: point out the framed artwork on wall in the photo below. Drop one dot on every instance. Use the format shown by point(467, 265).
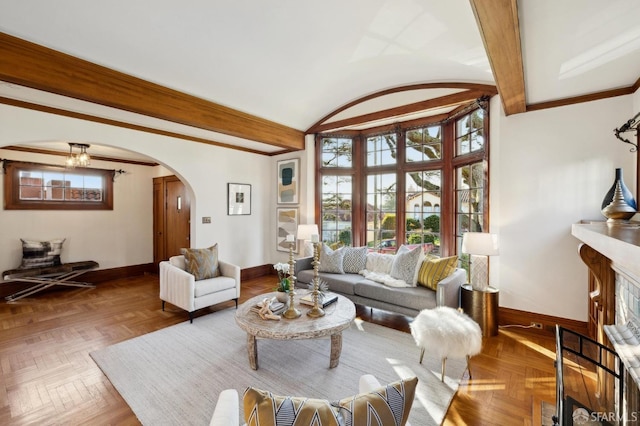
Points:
point(287, 223)
point(288, 181)
point(239, 199)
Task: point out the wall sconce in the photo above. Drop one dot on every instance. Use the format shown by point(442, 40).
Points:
point(81, 159)
point(630, 126)
point(479, 245)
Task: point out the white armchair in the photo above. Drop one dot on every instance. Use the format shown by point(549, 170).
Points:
point(180, 288)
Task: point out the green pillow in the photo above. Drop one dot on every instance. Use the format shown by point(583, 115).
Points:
point(202, 263)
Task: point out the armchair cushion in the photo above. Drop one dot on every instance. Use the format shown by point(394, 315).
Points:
point(202, 263)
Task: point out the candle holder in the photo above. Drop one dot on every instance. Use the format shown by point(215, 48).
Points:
point(316, 311)
point(291, 312)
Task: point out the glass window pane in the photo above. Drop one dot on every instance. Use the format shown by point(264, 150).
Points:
point(58, 188)
point(470, 198)
point(337, 152)
point(422, 209)
point(381, 150)
point(424, 144)
point(336, 210)
point(470, 133)
point(381, 211)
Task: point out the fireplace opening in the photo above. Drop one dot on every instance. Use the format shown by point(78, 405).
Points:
point(590, 383)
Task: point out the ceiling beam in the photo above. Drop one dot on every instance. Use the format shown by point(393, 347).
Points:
point(440, 102)
point(38, 67)
point(147, 129)
point(500, 31)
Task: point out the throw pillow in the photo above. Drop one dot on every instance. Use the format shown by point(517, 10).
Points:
point(435, 269)
point(387, 405)
point(406, 263)
point(331, 260)
point(379, 262)
point(263, 408)
point(40, 254)
point(355, 259)
point(202, 263)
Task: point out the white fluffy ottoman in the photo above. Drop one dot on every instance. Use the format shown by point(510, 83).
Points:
point(447, 333)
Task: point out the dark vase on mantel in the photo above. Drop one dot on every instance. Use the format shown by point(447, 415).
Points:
point(628, 197)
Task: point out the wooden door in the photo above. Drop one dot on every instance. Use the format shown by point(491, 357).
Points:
point(171, 217)
point(178, 215)
point(158, 220)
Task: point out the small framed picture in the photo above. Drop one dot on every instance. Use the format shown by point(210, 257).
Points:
point(239, 199)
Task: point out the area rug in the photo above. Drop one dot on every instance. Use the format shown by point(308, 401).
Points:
point(173, 376)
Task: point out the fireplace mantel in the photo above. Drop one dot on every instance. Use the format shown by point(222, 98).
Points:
point(620, 243)
point(612, 254)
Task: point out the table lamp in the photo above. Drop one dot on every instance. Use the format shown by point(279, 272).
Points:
point(304, 233)
point(479, 245)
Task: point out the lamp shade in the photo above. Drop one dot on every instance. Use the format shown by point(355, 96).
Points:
point(306, 231)
point(480, 243)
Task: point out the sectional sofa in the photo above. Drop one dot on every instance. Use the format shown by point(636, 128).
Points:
point(406, 282)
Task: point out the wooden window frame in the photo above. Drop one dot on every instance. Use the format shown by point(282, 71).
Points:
point(12, 199)
point(448, 163)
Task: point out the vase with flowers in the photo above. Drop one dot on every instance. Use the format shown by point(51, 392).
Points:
point(282, 289)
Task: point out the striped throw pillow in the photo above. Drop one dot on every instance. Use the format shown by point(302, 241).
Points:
point(435, 269)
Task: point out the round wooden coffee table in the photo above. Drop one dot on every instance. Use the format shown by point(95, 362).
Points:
point(338, 316)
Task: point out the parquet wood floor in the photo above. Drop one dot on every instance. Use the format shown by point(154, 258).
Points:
point(47, 376)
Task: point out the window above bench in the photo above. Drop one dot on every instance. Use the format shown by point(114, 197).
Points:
point(32, 186)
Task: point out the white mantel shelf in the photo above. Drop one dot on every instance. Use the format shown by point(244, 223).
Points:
point(619, 242)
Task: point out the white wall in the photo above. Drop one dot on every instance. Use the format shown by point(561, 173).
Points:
point(114, 238)
point(125, 234)
point(549, 169)
point(306, 206)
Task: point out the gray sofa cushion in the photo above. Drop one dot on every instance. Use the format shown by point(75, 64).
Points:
point(411, 297)
point(340, 283)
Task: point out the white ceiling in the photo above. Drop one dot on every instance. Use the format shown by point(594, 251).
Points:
point(294, 62)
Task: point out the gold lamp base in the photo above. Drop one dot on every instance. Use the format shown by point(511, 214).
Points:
point(315, 312)
point(291, 312)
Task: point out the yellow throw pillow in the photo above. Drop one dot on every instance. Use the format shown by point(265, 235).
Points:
point(263, 408)
point(202, 263)
point(434, 270)
point(386, 405)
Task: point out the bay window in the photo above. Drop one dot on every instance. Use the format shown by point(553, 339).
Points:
point(423, 184)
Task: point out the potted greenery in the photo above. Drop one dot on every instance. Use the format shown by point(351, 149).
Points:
point(282, 289)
